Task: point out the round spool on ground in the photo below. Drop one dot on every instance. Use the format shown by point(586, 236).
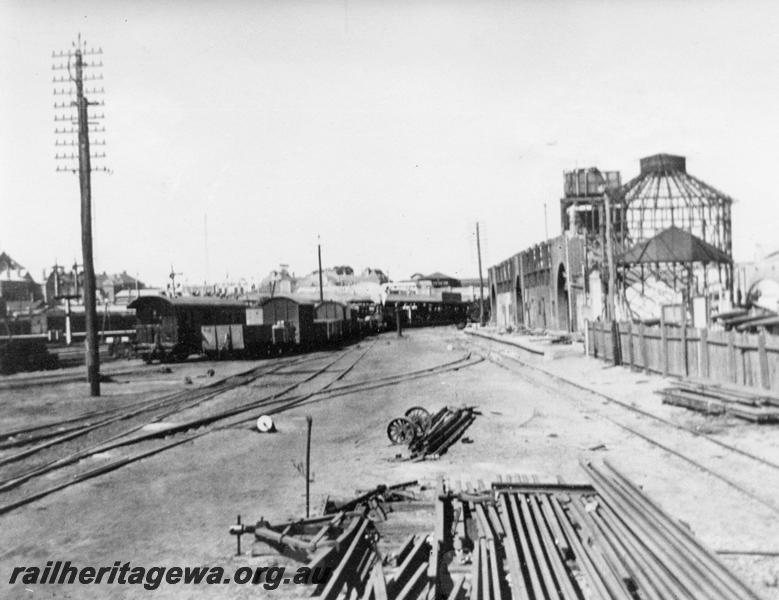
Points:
point(265, 424)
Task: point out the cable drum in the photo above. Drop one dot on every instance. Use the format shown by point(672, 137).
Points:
point(265, 424)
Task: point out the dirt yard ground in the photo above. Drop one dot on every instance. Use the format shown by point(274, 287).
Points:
point(175, 508)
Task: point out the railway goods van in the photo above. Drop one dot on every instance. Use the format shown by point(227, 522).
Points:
point(367, 316)
point(422, 311)
point(275, 325)
point(332, 322)
point(173, 328)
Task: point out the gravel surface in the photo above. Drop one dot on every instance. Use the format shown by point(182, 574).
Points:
point(175, 508)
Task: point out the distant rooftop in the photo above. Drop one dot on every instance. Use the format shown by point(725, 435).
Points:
point(8, 264)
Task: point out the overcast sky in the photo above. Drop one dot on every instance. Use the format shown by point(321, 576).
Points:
point(387, 128)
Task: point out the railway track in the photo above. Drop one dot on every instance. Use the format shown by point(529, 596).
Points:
point(64, 467)
point(92, 437)
point(17, 382)
point(36, 483)
point(739, 470)
point(41, 437)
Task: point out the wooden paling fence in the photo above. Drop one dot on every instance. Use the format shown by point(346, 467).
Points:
point(720, 356)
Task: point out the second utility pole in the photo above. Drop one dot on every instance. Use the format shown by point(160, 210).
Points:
point(481, 279)
point(319, 254)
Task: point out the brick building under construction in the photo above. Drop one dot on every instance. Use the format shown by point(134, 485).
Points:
point(667, 239)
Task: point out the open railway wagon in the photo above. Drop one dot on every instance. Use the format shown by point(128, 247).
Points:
point(174, 328)
point(25, 354)
point(422, 311)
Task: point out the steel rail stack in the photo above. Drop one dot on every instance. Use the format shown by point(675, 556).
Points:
point(517, 539)
point(756, 405)
point(606, 541)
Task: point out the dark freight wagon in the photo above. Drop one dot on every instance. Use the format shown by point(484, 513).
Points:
point(423, 311)
point(331, 322)
point(172, 328)
point(286, 320)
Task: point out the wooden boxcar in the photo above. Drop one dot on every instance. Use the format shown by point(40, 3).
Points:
point(174, 328)
point(423, 311)
point(281, 322)
point(331, 322)
point(366, 316)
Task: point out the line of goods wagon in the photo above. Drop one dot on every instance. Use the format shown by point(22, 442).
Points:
point(425, 311)
point(175, 328)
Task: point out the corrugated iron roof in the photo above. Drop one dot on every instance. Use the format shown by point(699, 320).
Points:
point(673, 245)
point(209, 301)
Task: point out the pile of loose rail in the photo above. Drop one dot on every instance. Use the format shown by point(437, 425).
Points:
point(759, 406)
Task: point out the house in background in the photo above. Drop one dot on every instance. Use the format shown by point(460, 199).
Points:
point(18, 290)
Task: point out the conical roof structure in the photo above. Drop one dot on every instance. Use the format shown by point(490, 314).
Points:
point(673, 245)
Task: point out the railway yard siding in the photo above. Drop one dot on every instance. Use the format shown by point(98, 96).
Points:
point(180, 489)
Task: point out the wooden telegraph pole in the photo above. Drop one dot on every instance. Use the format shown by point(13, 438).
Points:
point(481, 279)
point(612, 276)
point(319, 256)
point(80, 125)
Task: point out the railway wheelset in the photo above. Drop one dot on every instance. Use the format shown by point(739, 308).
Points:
point(430, 435)
point(416, 422)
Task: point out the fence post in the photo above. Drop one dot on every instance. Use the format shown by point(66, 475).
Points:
point(643, 347)
point(587, 337)
point(732, 370)
point(765, 375)
point(664, 344)
point(703, 353)
point(631, 360)
point(685, 370)
point(616, 343)
point(603, 339)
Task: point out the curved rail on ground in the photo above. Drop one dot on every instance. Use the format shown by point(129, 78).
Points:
point(643, 412)
point(192, 398)
point(724, 478)
point(188, 398)
point(326, 391)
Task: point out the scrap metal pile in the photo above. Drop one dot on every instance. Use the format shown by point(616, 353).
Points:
point(341, 543)
point(758, 406)
point(522, 540)
point(430, 436)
